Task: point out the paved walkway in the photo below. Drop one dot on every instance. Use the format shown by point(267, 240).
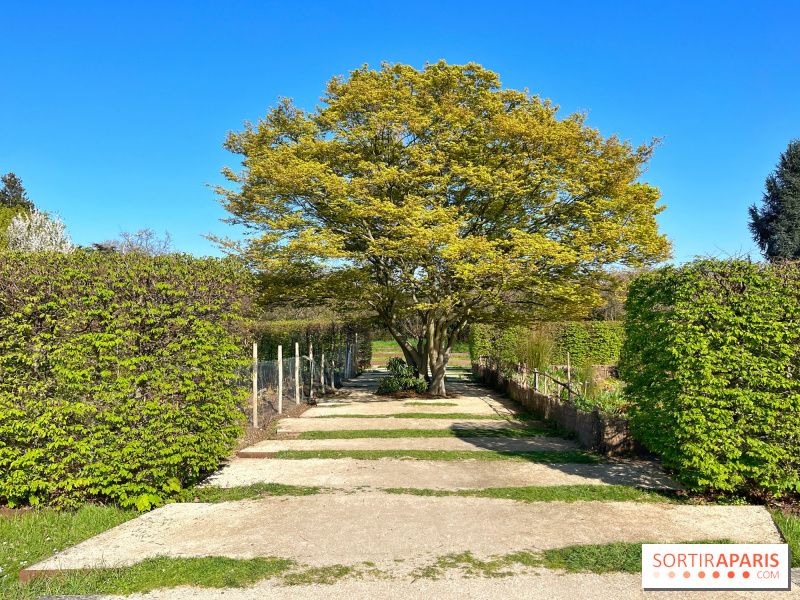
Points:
point(349, 474)
point(353, 522)
point(545, 585)
point(376, 527)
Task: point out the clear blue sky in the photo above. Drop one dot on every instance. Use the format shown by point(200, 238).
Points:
point(114, 114)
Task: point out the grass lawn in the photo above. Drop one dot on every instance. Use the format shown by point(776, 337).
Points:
point(573, 456)
point(347, 434)
point(31, 536)
point(391, 345)
point(790, 528)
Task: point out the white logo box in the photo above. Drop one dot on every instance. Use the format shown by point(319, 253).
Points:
point(716, 567)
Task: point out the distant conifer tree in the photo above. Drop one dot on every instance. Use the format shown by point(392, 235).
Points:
point(776, 225)
point(12, 194)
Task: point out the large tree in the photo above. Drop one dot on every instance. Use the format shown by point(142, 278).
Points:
point(776, 225)
point(436, 199)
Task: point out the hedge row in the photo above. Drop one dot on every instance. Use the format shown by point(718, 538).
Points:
point(588, 342)
point(324, 335)
point(115, 375)
point(712, 362)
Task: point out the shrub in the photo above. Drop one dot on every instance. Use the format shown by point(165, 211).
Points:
point(401, 379)
point(712, 363)
point(115, 375)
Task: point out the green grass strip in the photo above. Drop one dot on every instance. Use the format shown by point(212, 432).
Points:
point(453, 416)
point(790, 528)
point(214, 494)
point(618, 557)
point(560, 493)
point(349, 434)
point(34, 535)
point(573, 456)
point(153, 573)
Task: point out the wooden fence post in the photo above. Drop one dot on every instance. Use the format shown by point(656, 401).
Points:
point(322, 373)
point(255, 384)
point(280, 379)
point(536, 379)
point(569, 379)
point(310, 371)
point(297, 372)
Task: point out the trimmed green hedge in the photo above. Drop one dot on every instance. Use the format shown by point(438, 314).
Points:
point(592, 342)
point(115, 375)
point(324, 335)
point(712, 362)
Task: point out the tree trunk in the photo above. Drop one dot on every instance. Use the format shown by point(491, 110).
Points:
point(437, 383)
point(422, 367)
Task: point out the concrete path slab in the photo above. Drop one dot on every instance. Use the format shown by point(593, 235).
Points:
point(542, 585)
point(349, 473)
point(532, 444)
point(383, 406)
point(301, 425)
point(473, 399)
point(349, 529)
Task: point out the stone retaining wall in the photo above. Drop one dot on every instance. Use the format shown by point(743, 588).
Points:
point(594, 431)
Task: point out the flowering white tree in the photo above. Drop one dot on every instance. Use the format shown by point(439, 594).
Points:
point(37, 232)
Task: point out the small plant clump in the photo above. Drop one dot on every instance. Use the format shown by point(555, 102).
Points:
point(401, 379)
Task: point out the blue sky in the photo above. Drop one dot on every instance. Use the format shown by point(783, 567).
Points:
point(114, 114)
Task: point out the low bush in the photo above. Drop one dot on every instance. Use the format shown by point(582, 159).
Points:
point(401, 379)
point(712, 365)
point(115, 375)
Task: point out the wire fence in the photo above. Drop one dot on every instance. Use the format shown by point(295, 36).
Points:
point(281, 385)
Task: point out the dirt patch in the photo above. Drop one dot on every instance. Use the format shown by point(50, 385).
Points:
point(268, 430)
point(14, 512)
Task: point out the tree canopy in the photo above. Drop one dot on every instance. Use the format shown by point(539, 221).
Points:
point(436, 198)
point(776, 225)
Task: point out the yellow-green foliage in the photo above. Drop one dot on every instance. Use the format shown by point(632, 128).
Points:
point(326, 336)
point(435, 198)
point(588, 342)
point(114, 375)
point(712, 363)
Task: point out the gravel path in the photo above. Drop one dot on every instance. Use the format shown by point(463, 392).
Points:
point(377, 527)
point(348, 473)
